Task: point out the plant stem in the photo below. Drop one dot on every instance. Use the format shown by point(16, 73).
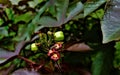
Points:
point(25, 59)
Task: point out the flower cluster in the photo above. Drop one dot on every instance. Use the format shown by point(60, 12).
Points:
point(54, 53)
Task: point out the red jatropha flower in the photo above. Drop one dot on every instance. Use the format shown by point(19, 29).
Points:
point(53, 53)
point(58, 45)
point(55, 56)
point(50, 52)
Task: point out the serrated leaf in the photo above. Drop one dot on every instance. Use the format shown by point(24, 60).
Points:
point(75, 11)
point(47, 21)
point(111, 23)
point(91, 6)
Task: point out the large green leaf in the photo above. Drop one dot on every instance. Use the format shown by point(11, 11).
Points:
point(52, 9)
point(31, 27)
point(91, 6)
point(102, 63)
point(111, 23)
point(61, 10)
point(47, 21)
point(110, 30)
point(5, 55)
point(77, 9)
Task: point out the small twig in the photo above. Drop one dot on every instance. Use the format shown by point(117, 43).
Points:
point(25, 59)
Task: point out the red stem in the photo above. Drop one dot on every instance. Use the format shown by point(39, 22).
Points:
point(25, 59)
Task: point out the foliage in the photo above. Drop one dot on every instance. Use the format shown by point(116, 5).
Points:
point(28, 44)
point(110, 24)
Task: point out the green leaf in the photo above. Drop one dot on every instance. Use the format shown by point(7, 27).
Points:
point(25, 34)
point(37, 17)
point(91, 6)
point(3, 32)
point(1, 21)
point(52, 10)
point(77, 9)
point(98, 14)
point(102, 63)
point(117, 55)
point(15, 2)
point(110, 30)
point(111, 24)
point(117, 45)
point(21, 32)
point(31, 27)
point(61, 9)
point(10, 13)
point(24, 17)
point(34, 3)
point(47, 21)
point(5, 55)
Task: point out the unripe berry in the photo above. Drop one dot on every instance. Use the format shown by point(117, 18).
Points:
point(34, 47)
point(59, 36)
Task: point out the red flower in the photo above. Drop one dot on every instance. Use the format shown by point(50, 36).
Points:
point(50, 52)
point(58, 45)
point(55, 56)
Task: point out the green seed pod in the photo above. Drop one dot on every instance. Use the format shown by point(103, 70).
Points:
point(34, 47)
point(59, 36)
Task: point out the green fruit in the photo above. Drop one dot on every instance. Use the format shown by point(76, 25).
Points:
point(34, 47)
point(59, 36)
